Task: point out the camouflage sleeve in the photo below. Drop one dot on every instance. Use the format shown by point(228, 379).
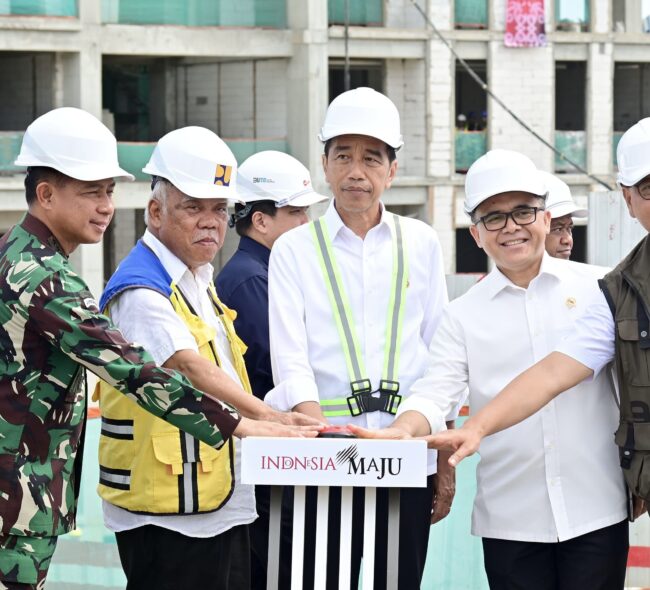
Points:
point(64, 312)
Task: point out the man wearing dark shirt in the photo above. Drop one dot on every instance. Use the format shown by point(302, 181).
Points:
point(277, 191)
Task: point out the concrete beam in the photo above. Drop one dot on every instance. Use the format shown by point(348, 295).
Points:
point(16, 39)
point(378, 49)
point(156, 40)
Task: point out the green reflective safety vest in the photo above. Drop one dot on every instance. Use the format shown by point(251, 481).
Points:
point(363, 399)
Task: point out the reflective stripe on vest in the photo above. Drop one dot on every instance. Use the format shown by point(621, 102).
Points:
point(149, 466)
point(342, 311)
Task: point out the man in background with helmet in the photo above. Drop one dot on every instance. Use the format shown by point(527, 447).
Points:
point(276, 191)
point(383, 266)
point(560, 204)
point(550, 504)
point(52, 330)
point(183, 499)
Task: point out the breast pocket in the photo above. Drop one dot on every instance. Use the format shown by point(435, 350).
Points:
point(634, 359)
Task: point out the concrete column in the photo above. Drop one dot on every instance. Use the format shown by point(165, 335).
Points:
point(600, 92)
point(440, 110)
point(307, 83)
point(601, 15)
point(81, 78)
point(88, 262)
point(526, 86)
point(633, 22)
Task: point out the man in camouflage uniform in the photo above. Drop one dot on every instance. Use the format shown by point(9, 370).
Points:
point(51, 330)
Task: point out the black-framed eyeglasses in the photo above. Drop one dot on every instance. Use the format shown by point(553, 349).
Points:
point(521, 216)
point(643, 189)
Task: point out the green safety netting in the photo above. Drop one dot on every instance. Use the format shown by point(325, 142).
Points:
point(197, 13)
point(471, 12)
point(362, 12)
point(9, 148)
point(572, 11)
point(39, 7)
point(572, 144)
point(470, 146)
point(615, 139)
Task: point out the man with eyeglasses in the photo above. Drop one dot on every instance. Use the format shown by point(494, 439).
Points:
point(550, 504)
point(559, 241)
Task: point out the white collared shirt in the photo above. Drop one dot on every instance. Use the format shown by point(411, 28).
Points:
point(148, 318)
point(593, 341)
point(306, 352)
point(555, 475)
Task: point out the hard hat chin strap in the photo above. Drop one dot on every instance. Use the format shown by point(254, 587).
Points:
point(239, 215)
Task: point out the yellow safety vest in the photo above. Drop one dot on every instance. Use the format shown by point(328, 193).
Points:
point(148, 465)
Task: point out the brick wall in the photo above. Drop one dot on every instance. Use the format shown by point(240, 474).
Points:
point(405, 85)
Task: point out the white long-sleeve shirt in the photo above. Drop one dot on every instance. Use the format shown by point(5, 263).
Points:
point(555, 475)
point(306, 352)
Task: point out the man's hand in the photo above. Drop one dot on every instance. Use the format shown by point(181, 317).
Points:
point(444, 488)
point(248, 427)
point(312, 409)
point(390, 433)
point(293, 418)
point(463, 441)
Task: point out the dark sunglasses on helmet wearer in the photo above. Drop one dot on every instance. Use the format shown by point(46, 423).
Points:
point(520, 216)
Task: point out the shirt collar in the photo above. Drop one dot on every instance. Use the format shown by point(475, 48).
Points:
point(174, 266)
point(37, 228)
point(255, 249)
point(335, 223)
point(496, 281)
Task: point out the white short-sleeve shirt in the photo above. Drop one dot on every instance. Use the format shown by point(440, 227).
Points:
point(148, 318)
point(555, 475)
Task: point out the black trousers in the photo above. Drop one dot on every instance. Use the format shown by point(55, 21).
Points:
point(594, 561)
point(415, 519)
point(154, 557)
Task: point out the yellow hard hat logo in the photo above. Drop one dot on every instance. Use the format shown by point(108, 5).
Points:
point(222, 175)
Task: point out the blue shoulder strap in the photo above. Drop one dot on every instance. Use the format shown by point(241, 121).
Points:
point(141, 268)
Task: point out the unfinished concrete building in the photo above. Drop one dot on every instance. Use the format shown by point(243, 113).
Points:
point(260, 73)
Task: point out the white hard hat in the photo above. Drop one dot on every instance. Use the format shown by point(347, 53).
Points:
point(73, 142)
point(501, 171)
point(559, 201)
point(363, 111)
point(276, 176)
point(197, 162)
point(633, 153)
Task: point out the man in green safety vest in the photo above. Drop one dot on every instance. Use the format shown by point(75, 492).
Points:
point(354, 300)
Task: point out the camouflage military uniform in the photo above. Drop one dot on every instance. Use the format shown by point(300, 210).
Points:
point(50, 329)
